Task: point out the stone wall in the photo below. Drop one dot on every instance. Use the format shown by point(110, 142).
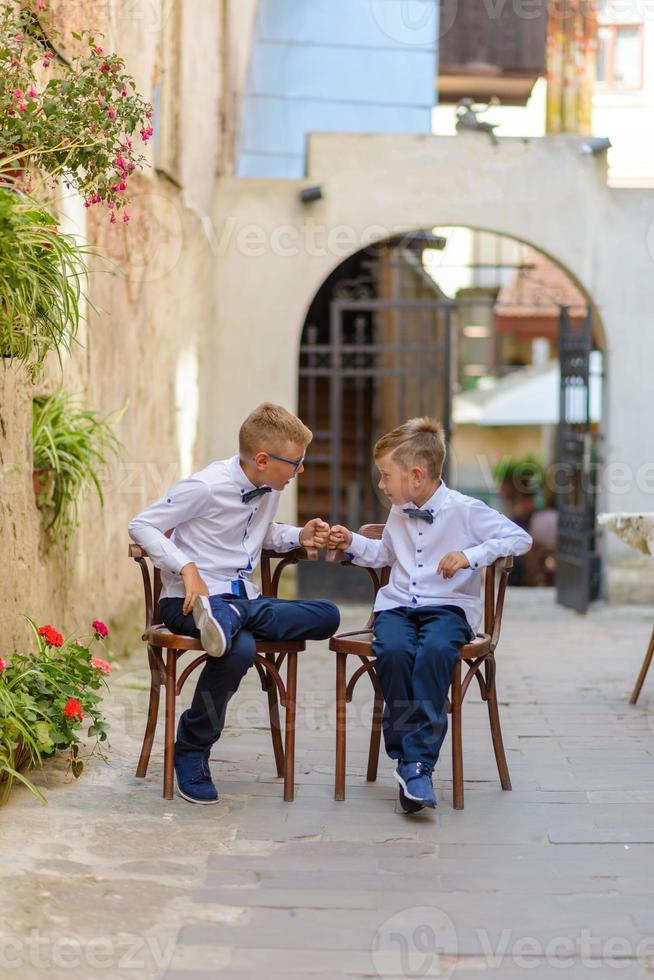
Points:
point(150, 286)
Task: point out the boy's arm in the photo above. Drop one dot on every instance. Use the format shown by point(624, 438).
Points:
point(186, 499)
point(367, 552)
point(497, 534)
point(282, 537)
point(285, 537)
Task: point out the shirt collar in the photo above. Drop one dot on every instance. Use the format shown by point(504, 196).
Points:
point(436, 500)
point(237, 474)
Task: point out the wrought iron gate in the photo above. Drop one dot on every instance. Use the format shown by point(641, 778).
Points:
point(384, 360)
point(577, 560)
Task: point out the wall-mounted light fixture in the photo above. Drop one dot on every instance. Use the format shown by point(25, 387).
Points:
point(310, 194)
point(595, 146)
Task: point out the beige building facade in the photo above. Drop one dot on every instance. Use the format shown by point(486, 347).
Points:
point(200, 305)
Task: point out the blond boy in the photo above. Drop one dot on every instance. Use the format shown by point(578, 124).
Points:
point(436, 541)
point(223, 516)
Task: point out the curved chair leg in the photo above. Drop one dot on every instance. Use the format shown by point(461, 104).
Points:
point(275, 725)
point(151, 723)
point(289, 746)
point(494, 718)
point(643, 671)
point(375, 738)
point(169, 738)
point(457, 742)
point(339, 783)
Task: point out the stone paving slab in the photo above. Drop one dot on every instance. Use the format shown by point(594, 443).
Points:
point(554, 878)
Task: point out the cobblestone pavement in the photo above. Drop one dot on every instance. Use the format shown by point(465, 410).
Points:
point(110, 880)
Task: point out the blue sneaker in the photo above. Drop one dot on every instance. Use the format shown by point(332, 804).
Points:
point(415, 780)
point(194, 781)
point(215, 628)
point(408, 805)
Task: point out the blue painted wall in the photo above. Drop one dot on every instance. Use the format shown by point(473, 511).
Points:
point(335, 65)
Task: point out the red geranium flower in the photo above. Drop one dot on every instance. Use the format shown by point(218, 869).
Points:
point(51, 636)
point(100, 628)
point(2, 665)
point(73, 709)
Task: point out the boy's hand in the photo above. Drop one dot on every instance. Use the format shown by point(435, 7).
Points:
point(194, 585)
point(340, 538)
point(315, 534)
point(451, 563)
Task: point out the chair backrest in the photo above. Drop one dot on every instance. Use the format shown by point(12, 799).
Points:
point(495, 579)
point(151, 581)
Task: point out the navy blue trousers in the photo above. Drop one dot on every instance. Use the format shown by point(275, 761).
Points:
point(258, 619)
point(416, 649)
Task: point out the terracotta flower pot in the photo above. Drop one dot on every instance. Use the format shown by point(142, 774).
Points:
point(43, 479)
point(21, 755)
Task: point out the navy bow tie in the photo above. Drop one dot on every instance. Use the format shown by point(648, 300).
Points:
point(257, 492)
point(422, 515)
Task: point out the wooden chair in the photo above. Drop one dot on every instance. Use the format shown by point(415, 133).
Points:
point(640, 680)
point(477, 655)
point(166, 648)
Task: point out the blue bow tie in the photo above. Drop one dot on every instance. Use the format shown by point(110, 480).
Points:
point(422, 515)
point(257, 492)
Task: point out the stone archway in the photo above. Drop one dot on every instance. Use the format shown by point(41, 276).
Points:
point(272, 252)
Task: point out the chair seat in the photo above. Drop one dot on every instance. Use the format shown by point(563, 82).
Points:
point(160, 636)
point(359, 643)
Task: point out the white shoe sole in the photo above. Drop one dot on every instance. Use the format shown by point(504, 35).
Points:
point(211, 632)
point(192, 799)
point(409, 796)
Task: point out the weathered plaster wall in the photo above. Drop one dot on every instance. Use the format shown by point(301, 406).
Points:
point(142, 344)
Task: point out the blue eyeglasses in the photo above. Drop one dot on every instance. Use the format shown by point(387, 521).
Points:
point(295, 463)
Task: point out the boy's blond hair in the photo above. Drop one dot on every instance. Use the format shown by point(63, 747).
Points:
point(418, 442)
point(268, 428)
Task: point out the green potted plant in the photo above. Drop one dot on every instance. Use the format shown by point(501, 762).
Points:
point(71, 444)
point(43, 273)
point(519, 476)
point(45, 699)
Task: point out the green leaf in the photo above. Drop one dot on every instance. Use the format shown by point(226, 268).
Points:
point(42, 732)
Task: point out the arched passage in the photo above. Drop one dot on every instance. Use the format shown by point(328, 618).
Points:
point(415, 324)
point(273, 252)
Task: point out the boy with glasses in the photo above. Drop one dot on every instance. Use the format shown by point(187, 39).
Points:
point(223, 516)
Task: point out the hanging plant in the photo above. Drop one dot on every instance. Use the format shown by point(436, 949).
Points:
point(81, 120)
point(70, 446)
point(41, 291)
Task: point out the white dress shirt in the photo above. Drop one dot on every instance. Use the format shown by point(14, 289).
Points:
point(214, 528)
point(413, 548)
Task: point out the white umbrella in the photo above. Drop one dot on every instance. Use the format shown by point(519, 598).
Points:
point(529, 396)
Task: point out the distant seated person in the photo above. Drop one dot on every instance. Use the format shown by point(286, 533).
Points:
point(541, 560)
point(518, 492)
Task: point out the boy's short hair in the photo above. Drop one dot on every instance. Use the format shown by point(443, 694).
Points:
point(268, 428)
point(418, 442)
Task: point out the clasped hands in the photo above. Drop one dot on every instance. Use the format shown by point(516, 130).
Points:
point(318, 534)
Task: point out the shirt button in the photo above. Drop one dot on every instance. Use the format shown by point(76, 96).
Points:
point(419, 566)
